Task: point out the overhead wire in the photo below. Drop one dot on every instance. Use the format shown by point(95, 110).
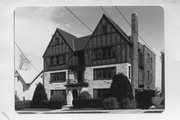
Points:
point(78, 19)
point(130, 26)
point(26, 57)
point(135, 30)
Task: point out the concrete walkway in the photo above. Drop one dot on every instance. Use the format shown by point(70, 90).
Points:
point(68, 110)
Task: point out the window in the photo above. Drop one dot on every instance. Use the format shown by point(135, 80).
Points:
point(53, 60)
point(58, 60)
point(140, 56)
point(148, 78)
point(56, 41)
point(129, 72)
point(104, 73)
point(58, 77)
point(62, 92)
point(104, 53)
point(151, 62)
point(100, 93)
point(140, 77)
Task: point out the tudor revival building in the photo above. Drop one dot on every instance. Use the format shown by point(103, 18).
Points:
point(73, 64)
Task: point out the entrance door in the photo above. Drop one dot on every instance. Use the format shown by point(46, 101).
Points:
point(80, 76)
point(75, 94)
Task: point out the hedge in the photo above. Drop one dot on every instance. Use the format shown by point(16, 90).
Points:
point(22, 104)
point(88, 103)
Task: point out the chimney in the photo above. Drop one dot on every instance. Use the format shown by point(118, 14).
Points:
point(134, 29)
point(134, 38)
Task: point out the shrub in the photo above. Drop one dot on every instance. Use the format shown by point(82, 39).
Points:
point(56, 101)
point(127, 104)
point(111, 103)
point(122, 85)
point(22, 104)
point(88, 103)
point(85, 95)
point(16, 98)
point(39, 98)
point(144, 98)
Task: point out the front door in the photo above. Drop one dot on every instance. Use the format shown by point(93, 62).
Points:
point(75, 94)
point(80, 76)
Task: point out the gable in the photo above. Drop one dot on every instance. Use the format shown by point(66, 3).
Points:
point(60, 43)
point(107, 32)
point(80, 43)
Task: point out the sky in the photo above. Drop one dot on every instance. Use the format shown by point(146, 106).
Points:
point(34, 27)
point(172, 52)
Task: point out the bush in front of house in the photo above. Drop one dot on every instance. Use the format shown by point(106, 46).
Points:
point(127, 104)
point(40, 99)
point(120, 83)
point(22, 104)
point(88, 103)
point(111, 103)
point(56, 101)
point(84, 95)
point(144, 98)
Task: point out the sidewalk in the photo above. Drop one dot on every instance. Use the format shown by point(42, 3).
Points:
point(68, 110)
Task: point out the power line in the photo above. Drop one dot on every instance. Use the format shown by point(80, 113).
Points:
point(134, 30)
point(78, 18)
point(129, 24)
point(26, 57)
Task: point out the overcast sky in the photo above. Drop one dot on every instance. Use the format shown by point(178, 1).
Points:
point(34, 27)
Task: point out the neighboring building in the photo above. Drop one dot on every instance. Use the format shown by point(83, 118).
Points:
point(25, 84)
point(74, 64)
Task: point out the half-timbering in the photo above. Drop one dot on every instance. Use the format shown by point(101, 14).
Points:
point(72, 64)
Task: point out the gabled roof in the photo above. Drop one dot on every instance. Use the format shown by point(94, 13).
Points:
point(117, 27)
point(77, 44)
point(80, 43)
point(68, 38)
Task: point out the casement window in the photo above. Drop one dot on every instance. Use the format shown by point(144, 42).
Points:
point(100, 93)
point(58, 77)
point(104, 53)
point(58, 60)
point(140, 60)
point(140, 78)
point(104, 73)
point(148, 78)
point(62, 92)
point(151, 63)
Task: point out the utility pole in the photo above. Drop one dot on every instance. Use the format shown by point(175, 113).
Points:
point(162, 74)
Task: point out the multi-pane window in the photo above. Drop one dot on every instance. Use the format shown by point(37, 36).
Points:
point(58, 60)
point(100, 93)
point(62, 92)
point(58, 77)
point(140, 81)
point(104, 73)
point(140, 55)
point(104, 53)
point(148, 75)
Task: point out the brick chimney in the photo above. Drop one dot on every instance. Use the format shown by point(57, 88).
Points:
point(134, 38)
